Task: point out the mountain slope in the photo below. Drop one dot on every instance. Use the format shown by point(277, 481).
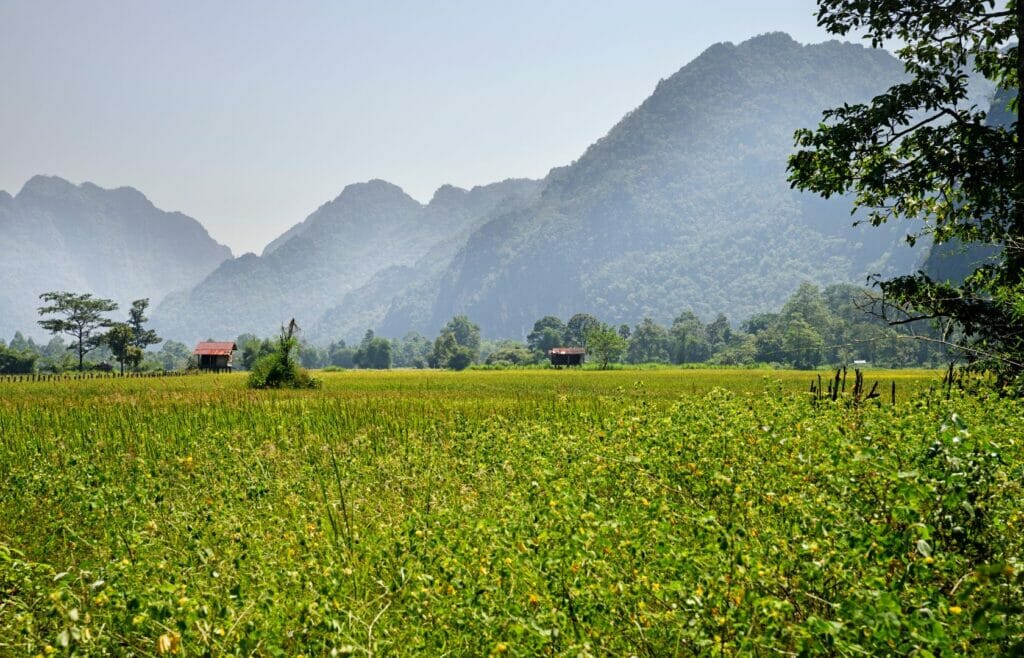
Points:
point(371, 229)
point(113, 243)
point(683, 205)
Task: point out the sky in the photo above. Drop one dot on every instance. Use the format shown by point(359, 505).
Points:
point(249, 115)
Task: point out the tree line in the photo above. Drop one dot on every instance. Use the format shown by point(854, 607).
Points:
point(835, 325)
point(840, 324)
point(83, 318)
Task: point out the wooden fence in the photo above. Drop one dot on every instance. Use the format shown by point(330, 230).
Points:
point(92, 374)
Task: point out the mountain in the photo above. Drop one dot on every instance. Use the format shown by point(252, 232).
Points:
point(682, 205)
point(83, 238)
point(371, 239)
point(954, 261)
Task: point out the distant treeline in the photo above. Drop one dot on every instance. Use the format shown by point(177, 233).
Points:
point(23, 355)
point(838, 325)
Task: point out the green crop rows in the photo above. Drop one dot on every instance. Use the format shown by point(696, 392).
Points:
point(535, 512)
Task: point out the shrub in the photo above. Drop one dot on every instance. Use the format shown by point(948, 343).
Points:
point(279, 369)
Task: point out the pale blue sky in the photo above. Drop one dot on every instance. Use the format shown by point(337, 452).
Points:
point(249, 115)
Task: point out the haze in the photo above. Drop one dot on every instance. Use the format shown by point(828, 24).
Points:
point(248, 116)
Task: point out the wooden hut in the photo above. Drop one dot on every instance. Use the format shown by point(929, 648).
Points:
point(215, 356)
point(567, 356)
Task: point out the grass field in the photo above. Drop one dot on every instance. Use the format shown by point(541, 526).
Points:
point(661, 512)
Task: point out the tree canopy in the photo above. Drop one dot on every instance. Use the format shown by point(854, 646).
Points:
point(80, 315)
point(920, 151)
point(141, 337)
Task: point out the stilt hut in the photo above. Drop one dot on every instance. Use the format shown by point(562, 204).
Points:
point(567, 356)
point(215, 356)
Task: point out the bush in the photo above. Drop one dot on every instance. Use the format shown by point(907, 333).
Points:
point(279, 369)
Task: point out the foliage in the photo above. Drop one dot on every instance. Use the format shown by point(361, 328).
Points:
point(341, 356)
point(411, 351)
point(121, 339)
point(313, 356)
point(253, 349)
point(174, 355)
point(373, 353)
point(458, 345)
point(649, 343)
point(279, 369)
point(547, 332)
point(803, 344)
point(141, 337)
point(81, 315)
point(14, 362)
point(514, 355)
point(689, 339)
point(921, 151)
point(578, 328)
point(605, 344)
point(535, 512)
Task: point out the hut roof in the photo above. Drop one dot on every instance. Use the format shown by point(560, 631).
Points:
point(567, 350)
point(207, 348)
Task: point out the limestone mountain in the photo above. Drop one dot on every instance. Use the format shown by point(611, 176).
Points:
point(682, 205)
point(366, 235)
point(83, 238)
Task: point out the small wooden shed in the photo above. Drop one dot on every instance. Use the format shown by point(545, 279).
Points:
point(567, 356)
point(215, 356)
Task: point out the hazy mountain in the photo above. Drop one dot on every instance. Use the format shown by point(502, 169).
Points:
point(682, 205)
point(953, 260)
point(372, 234)
point(113, 243)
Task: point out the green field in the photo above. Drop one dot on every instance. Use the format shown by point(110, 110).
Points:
point(660, 512)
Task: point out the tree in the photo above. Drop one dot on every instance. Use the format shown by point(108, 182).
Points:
point(457, 346)
point(920, 152)
point(447, 353)
point(547, 332)
point(802, 344)
point(467, 334)
point(718, 333)
point(174, 355)
point(82, 316)
point(510, 354)
point(254, 349)
point(14, 362)
point(688, 339)
point(411, 351)
point(341, 356)
point(141, 337)
point(649, 343)
point(605, 344)
point(120, 340)
point(373, 352)
point(808, 303)
point(578, 327)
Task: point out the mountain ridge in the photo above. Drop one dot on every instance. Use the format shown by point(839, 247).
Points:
point(682, 205)
point(110, 242)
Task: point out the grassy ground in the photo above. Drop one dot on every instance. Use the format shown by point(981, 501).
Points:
point(561, 512)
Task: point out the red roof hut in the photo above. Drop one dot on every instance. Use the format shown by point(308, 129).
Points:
point(214, 356)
